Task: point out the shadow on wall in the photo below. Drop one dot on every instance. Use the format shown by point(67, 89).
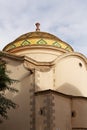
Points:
point(69, 89)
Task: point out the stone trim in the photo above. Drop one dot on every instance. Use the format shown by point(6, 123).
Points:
point(49, 112)
point(32, 105)
point(49, 91)
point(79, 128)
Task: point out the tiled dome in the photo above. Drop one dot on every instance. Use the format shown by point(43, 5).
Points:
point(37, 38)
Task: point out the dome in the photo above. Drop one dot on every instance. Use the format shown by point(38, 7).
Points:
point(37, 38)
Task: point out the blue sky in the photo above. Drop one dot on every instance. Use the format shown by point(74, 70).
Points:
point(66, 19)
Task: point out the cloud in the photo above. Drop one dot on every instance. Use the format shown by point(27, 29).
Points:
point(66, 19)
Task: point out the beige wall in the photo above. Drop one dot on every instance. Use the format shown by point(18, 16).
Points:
point(19, 119)
point(56, 112)
point(70, 77)
point(16, 68)
point(62, 114)
point(39, 112)
point(44, 112)
point(44, 80)
point(42, 54)
point(79, 106)
point(48, 110)
point(67, 76)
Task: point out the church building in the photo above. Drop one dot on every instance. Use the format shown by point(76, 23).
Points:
point(52, 83)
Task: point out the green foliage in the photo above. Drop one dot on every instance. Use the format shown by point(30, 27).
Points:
point(5, 104)
point(5, 82)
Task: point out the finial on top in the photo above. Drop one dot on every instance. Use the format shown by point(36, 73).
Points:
point(37, 26)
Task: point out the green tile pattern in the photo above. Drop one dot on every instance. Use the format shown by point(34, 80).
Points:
point(24, 43)
point(41, 41)
point(56, 44)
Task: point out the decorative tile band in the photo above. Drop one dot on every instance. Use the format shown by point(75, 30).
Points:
point(39, 41)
